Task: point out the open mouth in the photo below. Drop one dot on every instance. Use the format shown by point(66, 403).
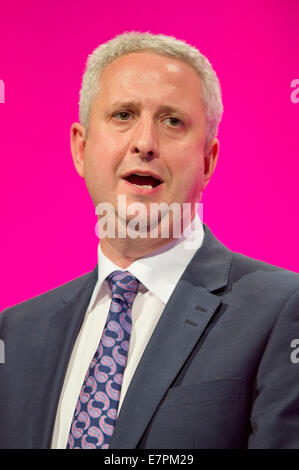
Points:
point(143, 181)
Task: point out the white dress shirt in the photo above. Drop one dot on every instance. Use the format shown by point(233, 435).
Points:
point(158, 275)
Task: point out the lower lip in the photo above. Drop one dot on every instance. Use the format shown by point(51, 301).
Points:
point(145, 191)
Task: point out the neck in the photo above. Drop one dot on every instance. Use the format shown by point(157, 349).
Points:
point(124, 251)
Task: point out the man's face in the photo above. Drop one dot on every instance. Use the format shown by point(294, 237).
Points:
point(147, 119)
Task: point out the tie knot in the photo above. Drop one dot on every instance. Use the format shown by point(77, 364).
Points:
point(123, 285)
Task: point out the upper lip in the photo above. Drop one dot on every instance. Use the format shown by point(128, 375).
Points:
point(143, 173)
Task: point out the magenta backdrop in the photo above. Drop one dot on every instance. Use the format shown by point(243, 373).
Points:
point(251, 204)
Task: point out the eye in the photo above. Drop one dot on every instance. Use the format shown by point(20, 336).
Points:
point(174, 122)
point(122, 116)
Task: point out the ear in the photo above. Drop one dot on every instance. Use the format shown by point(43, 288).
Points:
point(211, 157)
point(78, 143)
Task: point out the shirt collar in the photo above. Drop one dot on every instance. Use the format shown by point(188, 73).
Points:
point(160, 271)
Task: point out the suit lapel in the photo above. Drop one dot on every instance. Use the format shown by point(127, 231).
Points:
point(184, 319)
point(179, 328)
point(63, 328)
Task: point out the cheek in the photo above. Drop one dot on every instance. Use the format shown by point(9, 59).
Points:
point(189, 175)
point(97, 158)
point(189, 165)
point(105, 150)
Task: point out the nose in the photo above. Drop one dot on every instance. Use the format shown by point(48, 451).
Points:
point(145, 140)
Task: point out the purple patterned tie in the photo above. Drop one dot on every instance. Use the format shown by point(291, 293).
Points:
point(96, 411)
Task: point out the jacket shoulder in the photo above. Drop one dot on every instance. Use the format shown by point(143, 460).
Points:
point(51, 298)
point(264, 273)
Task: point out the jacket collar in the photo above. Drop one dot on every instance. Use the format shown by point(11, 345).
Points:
point(185, 318)
point(210, 266)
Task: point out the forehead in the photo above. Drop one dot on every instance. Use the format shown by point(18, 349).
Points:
point(150, 75)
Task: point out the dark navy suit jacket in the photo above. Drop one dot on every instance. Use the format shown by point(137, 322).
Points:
point(217, 371)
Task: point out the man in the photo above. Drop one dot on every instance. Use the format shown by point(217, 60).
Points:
point(163, 345)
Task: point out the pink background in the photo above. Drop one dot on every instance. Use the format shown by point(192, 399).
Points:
point(47, 216)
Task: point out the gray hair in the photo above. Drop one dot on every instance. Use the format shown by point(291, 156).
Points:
point(160, 44)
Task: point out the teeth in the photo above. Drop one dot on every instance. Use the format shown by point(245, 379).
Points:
point(143, 186)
